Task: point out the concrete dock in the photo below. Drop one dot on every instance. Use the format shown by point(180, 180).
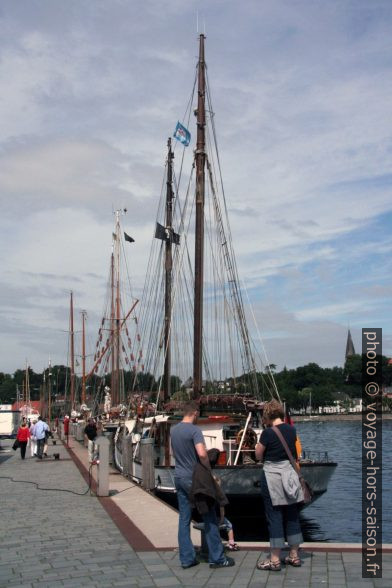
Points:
point(56, 532)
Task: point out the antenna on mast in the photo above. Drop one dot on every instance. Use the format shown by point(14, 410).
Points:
point(197, 21)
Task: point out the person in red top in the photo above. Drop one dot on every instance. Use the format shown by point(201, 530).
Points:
point(23, 435)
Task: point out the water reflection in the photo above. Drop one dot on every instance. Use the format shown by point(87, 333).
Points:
point(255, 528)
point(311, 529)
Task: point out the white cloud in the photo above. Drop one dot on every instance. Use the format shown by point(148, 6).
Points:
point(330, 311)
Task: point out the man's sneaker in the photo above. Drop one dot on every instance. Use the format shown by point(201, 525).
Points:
point(191, 565)
point(228, 563)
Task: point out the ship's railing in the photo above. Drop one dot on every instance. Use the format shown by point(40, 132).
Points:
point(230, 447)
point(321, 456)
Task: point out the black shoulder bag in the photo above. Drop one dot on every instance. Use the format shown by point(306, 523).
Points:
point(308, 492)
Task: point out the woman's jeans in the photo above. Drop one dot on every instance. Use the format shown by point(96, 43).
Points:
point(187, 551)
point(280, 518)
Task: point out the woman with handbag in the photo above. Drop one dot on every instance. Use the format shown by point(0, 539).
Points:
point(280, 487)
point(23, 435)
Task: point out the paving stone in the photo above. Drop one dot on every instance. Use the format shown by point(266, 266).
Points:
point(73, 541)
point(159, 567)
point(79, 546)
point(355, 584)
point(126, 584)
point(167, 582)
point(50, 584)
point(196, 582)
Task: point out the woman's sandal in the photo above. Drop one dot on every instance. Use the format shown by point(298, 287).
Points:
point(233, 547)
point(293, 561)
point(271, 566)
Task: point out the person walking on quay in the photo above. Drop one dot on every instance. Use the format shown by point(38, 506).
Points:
point(33, 440)
point(23, 435)
point(48, 433)
point(90, 434)
point(66, 427)
point(280, 488)
point(189, 449)
point(39, 433)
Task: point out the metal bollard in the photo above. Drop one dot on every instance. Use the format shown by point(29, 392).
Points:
point(148, 470)
point(126, 455)
point(103, 466)
point(79, 433)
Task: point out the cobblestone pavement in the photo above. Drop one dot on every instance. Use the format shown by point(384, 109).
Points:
point(54, 538)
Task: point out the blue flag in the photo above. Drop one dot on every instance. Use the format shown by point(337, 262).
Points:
point(182, 134)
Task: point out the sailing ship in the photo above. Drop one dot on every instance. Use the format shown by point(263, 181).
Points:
point(23, 399)
point(118, 353)
point(199, 326)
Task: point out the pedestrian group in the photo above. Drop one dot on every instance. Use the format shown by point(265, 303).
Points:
point(37, 433)
point(198, 488)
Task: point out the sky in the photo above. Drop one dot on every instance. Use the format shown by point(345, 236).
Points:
point(90, 91)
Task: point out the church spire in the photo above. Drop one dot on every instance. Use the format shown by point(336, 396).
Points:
point(349, 345)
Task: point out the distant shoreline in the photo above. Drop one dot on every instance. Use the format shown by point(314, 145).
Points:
point(301, 418)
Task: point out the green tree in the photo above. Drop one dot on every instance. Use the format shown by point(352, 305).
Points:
point(8, 389)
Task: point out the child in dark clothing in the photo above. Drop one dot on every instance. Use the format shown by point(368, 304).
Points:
point(224, 523)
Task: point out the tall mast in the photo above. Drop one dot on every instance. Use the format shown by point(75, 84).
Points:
point(42, 395)
point(50, 392)
point(18, 402)
point(118, 305)
point(72, 341)
point(115, 312)
point(199, 228)
point(83, 399)
point(27, 388)
point(168, 270)
point(112, 333)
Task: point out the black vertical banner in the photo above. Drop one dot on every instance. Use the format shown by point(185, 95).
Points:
point(372, 453)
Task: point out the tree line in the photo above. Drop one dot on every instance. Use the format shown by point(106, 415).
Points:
point(324, 385)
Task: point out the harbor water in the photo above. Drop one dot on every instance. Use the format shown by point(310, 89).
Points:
point(336, 516)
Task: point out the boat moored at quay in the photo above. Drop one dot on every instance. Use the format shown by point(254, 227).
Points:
point(192, 320)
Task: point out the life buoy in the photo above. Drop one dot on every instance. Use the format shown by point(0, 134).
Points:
point(250, 438)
